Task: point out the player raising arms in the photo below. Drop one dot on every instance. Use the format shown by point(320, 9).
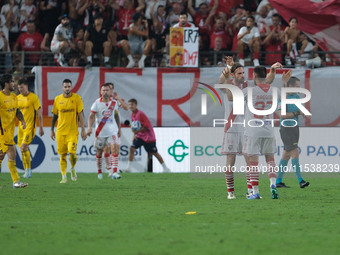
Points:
point(9, 111)
point(257, 138)
point(112, 163)
point(104, 112)
point(30, 107)
point(145, 136)
point(68, 110)
point(233, 138)
point(290, 135)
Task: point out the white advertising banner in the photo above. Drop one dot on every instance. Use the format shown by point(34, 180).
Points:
point(198, 150)
point(173, 145)
point(45, 158)
point(170, 96)
point(184, 47)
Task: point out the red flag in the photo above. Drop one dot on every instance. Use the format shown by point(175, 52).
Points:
point(318, 20)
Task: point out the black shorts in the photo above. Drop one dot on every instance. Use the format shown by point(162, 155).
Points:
point(98, 48)
point(290, 137)
point(149, 147)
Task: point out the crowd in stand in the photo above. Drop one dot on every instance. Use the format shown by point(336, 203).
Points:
point(79, 31)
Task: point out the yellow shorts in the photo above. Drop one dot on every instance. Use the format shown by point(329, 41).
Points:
point(67, 143)
point(3, 147)
point(25, 136)
point(6, 140)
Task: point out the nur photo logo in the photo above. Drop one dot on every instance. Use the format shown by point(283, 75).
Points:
point(204, 97)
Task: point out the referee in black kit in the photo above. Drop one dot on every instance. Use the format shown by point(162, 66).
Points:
point(98, 36)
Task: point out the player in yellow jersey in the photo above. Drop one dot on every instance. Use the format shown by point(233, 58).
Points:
point(8, 113)
point(68, 110)
point(30, 107)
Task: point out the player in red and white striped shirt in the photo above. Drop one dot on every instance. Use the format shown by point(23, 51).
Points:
point(233, 137)
point(104, 112)
point(111, 157)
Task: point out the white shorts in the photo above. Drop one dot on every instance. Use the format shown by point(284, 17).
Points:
point(100, 142)
point(55, 48)
point(232, 143)
point(256, 145)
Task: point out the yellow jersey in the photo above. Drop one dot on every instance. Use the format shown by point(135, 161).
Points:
point(29, 105)
point(67, 110)
point(8, 112)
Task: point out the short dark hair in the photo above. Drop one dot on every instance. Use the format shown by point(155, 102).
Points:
point(183, 13)
point(235, 66)
point(251, 17)
point(132, 100)
point(292, 81)
point(30, 21)
point(110, 83)
point(67, 81)
point(276, 15)
point(292, 19)
point(23, 81)
point(105, 85)
point(6, 78)
point(136, 16)
point(260, 72)
point(160, 6)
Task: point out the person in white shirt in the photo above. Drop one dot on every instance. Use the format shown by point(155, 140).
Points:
point(263, 21)
point(150, 3)
point(28, 12)
point(249, 38)
point(12, 12)
point(62, 40)
point(259, 135)
point(104, 112)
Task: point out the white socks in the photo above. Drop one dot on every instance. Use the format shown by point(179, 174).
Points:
point(130, 57)
point(256, 190)
point(143, 58)
point(89, 59)
point(106, 59)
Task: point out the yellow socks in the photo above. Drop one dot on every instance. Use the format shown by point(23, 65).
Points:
point(13, 169)
point(73, 159)
point(63, 164)
point(26, 159)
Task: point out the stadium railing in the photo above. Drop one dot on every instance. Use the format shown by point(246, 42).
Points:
point(20, 63)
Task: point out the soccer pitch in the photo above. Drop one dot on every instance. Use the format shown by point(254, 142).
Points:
point(145, 214)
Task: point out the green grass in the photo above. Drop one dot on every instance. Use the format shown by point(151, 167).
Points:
point(145, 214)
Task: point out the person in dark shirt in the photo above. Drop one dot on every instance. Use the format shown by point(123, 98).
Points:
point(98, 36)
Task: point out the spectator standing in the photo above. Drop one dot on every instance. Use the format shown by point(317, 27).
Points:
point(29, 41)
point(263, 21)
point(28, 12)
point(201, 16)
point(52, 11)
point(124, 16)
point(12, 13)
point(153, 4)
point(173, 17)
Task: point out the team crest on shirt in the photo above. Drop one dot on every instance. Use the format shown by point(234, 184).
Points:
point(107, 113)
point(230, 147)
